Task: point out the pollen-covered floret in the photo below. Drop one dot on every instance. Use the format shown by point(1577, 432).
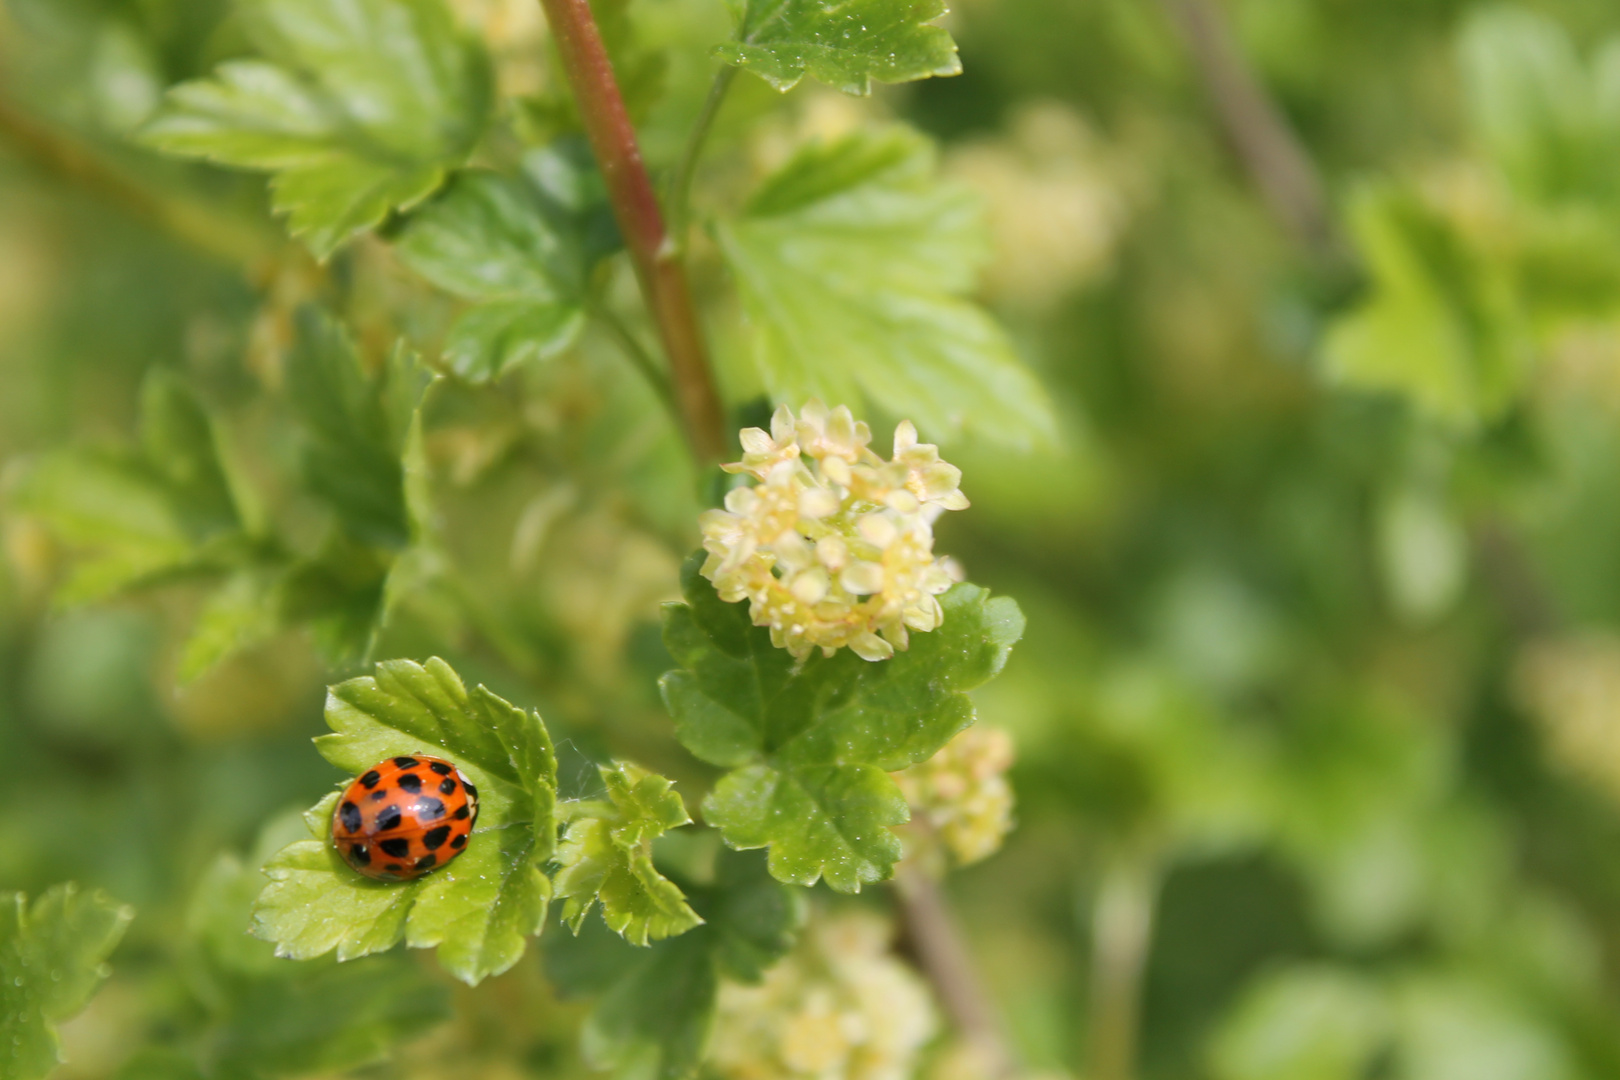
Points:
point(833, 545)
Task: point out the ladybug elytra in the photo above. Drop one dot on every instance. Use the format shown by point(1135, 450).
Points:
point(403, 817)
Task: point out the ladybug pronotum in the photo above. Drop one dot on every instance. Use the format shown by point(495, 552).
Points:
point(403, 817)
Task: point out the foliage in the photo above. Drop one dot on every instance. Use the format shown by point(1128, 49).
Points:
point(51, 954)
point(846, 46)
point(357, 108)
point(271, 1018)
point(492, 240)
point(851, 260)
point(322, 347)
point(656, 1009)
point(810, 744)
point(479, 909)
point(606, 857)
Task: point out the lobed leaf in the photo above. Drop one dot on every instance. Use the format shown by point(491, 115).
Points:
point(359, 108)
point(1441, 327)
point(656, 1005)
point(240, 613)
point(845, 45)
point(181, 447)
point(267, 1016)
point(606, 856)
point(1547, 118)
point(52, 955)
point(500, 242)
point(134, 514)
point(479, 909)
point(852, 261)
point(811, 745)
point(354, 429)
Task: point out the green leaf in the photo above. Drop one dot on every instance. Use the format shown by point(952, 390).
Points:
point(355, 429)
point(852, 261)
point(240, 613)
point(1303, 1023)
point(1540, 112)
point(845, 45)
point(346, 591)
point(1442, 327)
point(359, 108)
point(492, 339)
point(181, 447)
point(503, 244)
point(1452, 1025)
point(339, 594)
point(811, 745)
point(656, 1004)
point(51, 962)
point(115, 515)
point(159, 1063)
point(134, 514)
point(271, 1017)
point(654, 1022)
point(478, 909)
point(606, 856)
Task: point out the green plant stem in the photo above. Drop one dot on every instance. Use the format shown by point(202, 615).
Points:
point(1121, 933)
point(659, 268)
point(932, 931)
point(226, 238)
point(639, 357)
point(680, 186)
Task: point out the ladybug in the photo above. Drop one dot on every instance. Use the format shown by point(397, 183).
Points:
point(404, 816)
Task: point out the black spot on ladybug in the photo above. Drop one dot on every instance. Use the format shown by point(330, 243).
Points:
point(427, 862)
point(378, 796)
point(447, 788)
point(398, 847)
point(359, 855)
point(349, 816)
point(369, 780)
point(393, 868)
point(410, 782)
point(439, 767)
point(458, 841)
point(429, 809)
point(405, 762)
point(433, 839)
point(460, 814)
point(472, 792)
point(388, 818)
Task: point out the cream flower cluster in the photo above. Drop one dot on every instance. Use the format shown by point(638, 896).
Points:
point(833, 546)
point(1572, 687)
point(961, 796)
point(840, 1007)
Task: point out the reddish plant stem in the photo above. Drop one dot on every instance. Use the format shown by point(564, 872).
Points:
point(657, 260)
point(941, 950)
point(1260, 133)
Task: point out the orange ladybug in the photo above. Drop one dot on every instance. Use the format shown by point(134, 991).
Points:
point(403, 817)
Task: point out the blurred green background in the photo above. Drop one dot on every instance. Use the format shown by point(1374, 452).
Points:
point(1318, 713)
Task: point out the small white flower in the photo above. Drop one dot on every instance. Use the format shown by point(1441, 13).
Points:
point(833, 546)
